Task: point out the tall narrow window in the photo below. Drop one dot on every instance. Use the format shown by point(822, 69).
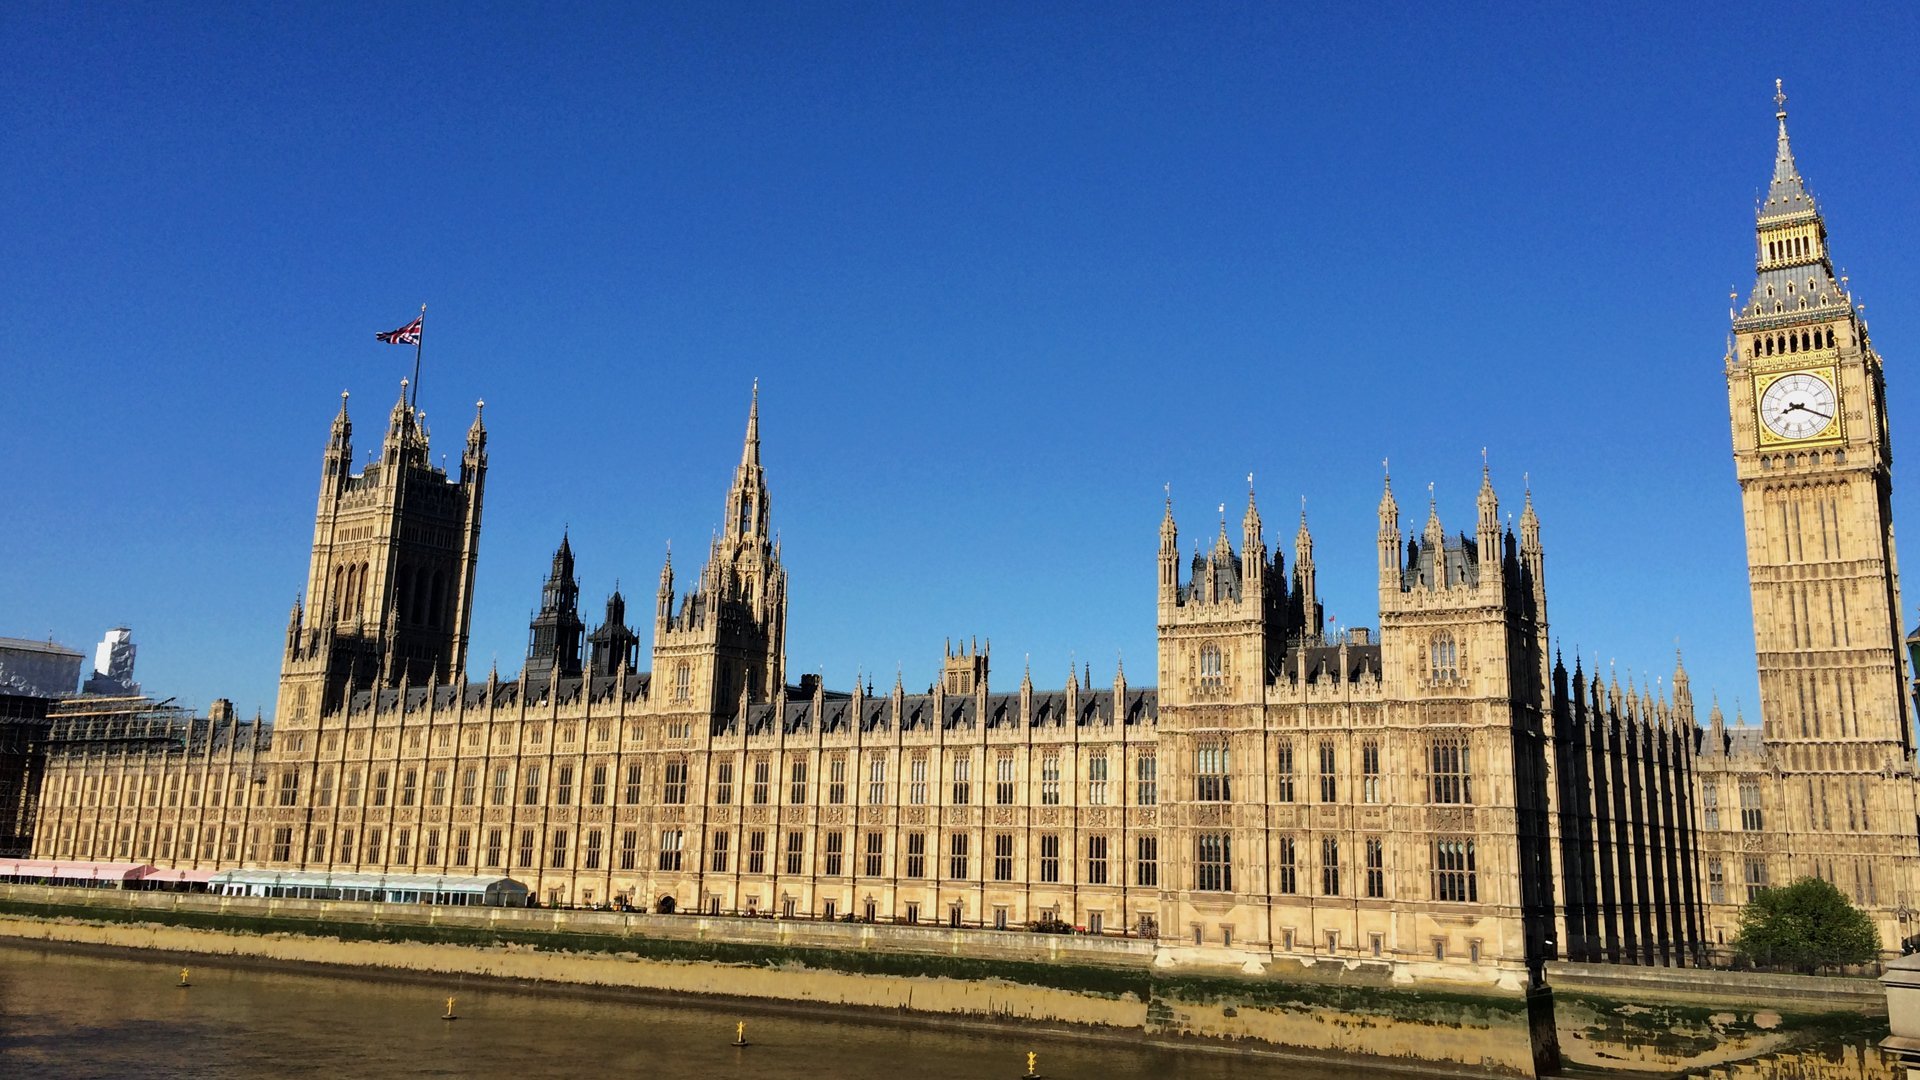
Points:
point(797, 783)
point(1376, 868)
point(762, 782)
point(876, 780)
point(957, 855)
point(757, 852)
point(1097, 779)
point(1213, 862)
point(917, 781)
point(563, 786)
point(876, 853)
point(916, 855)
point(469, 785)
point(723, 783)
point(1096, 860)
point(836, 852)
point(1370, 771)
point(962, 780)
point(597, 788)
point(720, 851)
point(1451, 775)
point(1050, 778)
point(1289, 866)
point(1003, 780)
point(796, 851)
point(531, 792)
point(630, 795)
point(1445, 658)
point(1003, 857)
point(1329, 783)
point(1283, 771)
point(629, 848)
point(1146, 860)
point(1147, 778)
point(1750, 818)
point(673, 789)
point(1710, 806)
point(1049, 856)
point(1210, 772)
point(670, 845)
point(837, 779)
point(1211, 668)
point(1454, 876)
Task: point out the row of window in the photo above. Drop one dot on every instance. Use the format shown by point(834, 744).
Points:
point(1750, 815)
point(759, 790)
point(1453, 876)
point(1449, 777)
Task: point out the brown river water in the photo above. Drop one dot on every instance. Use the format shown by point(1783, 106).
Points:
point(69, 1015)
point(66, 1014)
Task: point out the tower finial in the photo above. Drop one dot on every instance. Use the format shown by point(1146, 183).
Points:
point(1780, 99)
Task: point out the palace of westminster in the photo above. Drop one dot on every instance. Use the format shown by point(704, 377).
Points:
point(1443, 793)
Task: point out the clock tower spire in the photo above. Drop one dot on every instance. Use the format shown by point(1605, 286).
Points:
point(1807, 399)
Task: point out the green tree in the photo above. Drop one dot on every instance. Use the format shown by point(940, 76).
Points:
point(1805, 926)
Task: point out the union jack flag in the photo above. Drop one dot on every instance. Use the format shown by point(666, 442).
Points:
point(406, 335)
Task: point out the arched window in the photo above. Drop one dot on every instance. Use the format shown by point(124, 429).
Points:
point(682, 682)
point(1210, 666)
point(1443, 658)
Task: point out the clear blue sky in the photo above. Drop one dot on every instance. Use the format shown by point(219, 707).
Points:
point(1003, 271)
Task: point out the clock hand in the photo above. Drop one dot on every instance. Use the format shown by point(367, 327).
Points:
point(1821, 415)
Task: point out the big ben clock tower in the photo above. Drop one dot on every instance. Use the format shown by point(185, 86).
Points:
point(1808, 403)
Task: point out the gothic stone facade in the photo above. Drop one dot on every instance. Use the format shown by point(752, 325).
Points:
point(1354, 799)
point(1444, 796)
point(1825, 786)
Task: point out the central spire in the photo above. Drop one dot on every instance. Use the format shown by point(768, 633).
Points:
point(750, 453)
point(1787, 195)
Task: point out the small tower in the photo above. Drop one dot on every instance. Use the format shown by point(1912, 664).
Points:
point(1253, 548)
point(1389, 539)
point(1305, 590)
point(553, 639)
point(390, 580)
point(725, 641)
point(613, 645)
point(963, 673)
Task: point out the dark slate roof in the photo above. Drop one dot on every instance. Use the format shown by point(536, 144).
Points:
point(1323, 661)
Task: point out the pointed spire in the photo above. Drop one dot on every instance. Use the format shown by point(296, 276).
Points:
point(1787, 195)
point(1169, 533)
point(750, 453)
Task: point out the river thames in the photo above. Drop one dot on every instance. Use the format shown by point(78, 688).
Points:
point(67, 1014)
point(71, 1015)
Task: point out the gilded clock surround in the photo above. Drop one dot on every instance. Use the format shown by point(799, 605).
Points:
point(1834, 433)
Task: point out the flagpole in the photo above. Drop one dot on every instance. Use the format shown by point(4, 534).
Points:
point(418, 340)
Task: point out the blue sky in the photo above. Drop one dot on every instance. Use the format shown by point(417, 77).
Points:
point(1002, 270)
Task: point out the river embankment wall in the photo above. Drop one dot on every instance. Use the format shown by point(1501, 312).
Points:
point(1072, 984)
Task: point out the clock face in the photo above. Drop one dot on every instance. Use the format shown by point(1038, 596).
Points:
point(1798, 406)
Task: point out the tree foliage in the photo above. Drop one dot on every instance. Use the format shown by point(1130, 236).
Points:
point(1805, 926)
